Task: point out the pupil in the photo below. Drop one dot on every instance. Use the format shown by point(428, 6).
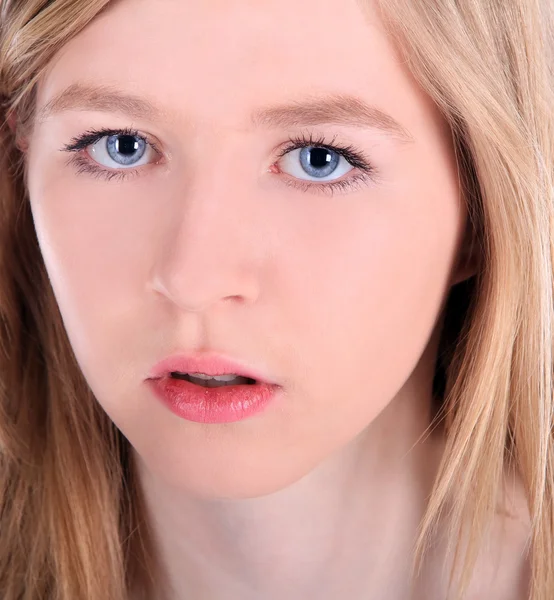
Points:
point(319, 157)
point(126, 144)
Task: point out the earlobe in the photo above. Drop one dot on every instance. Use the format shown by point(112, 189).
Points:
point(468, 260)
point(12, 124)
point(465, 270)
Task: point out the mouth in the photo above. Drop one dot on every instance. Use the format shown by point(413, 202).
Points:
point(186, 392)
point(212, 381)
point(209, 369)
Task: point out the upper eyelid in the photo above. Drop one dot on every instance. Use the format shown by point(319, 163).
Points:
point(355, 157)
point(97, 134)
point(92, 136)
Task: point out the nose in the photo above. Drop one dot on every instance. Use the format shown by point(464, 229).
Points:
point(209, 247)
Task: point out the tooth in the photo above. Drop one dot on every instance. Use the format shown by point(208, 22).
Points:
point(199, 375)
point(228, 377)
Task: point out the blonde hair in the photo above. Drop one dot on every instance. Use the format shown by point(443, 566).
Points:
point(71, 514)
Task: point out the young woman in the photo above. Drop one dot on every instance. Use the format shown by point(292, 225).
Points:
point(276, 300)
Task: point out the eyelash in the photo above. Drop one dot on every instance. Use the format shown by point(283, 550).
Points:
point(353, 156)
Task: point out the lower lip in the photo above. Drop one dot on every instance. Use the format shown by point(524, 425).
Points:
point(225, 404)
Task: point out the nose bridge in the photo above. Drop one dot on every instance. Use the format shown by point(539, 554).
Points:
point(207, 247)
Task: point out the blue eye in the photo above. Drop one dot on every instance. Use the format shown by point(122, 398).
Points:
point(314, 159)
point(125, 149)
point(319, 163)
point(121, 150)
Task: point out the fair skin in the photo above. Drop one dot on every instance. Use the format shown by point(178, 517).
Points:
point(337, 297)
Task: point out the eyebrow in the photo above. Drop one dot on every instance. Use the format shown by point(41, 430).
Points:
point(333, 108)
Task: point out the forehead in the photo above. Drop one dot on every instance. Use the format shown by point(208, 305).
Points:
point(217, 61)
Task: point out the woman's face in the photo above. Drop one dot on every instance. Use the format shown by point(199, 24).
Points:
point(197, 232)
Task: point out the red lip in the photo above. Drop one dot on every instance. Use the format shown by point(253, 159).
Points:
point(209, 363)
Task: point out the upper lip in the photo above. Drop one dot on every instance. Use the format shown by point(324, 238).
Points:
point(209, 363)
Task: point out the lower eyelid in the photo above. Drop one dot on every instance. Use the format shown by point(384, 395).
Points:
point(90, 167)
point(358, 175)
point(352, 184)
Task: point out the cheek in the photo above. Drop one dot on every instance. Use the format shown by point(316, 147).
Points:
point(370, 295)
point(94, 245)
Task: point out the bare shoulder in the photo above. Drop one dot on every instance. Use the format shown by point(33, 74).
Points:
point(503, 570)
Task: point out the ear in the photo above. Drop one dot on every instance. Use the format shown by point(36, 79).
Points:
point(12, 124)
point(468, 259)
